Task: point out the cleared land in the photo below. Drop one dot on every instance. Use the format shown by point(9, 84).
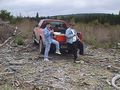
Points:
point(22, 68)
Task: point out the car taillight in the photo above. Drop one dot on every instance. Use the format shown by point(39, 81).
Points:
point(80, 35)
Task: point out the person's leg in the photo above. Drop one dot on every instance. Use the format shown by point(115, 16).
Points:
point(72, 49)
point(47, 49)
point(80, 46)
point(75, 50)
point(57, 46)
point(69, 47)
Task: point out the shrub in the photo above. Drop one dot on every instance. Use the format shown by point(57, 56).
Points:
point(19, 40)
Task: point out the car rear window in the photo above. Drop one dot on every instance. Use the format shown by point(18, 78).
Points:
point(56, 25)
point(59, 26)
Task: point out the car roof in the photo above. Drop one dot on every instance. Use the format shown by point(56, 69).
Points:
point(50, 20)
point(53, 20)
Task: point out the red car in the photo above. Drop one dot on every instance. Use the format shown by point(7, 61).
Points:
point(59, 27)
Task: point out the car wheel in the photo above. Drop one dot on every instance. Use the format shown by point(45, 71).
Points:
point(34, 37)
point(41, 47)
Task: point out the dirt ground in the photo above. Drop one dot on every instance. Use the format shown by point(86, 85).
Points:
point(22, 68)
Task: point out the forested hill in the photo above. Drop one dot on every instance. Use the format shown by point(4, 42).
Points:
point(99, 18)
point(94, 17)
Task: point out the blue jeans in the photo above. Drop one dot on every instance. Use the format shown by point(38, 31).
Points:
point(48, 45)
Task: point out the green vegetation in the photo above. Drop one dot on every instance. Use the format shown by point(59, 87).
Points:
point(37, 17)
point(6, 16)
point(88, 18)
point(19, 40)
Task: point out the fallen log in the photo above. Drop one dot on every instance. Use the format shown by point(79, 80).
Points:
point(8, 40)
point(5, 42)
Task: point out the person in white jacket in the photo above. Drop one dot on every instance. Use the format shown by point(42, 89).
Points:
point(73, 41)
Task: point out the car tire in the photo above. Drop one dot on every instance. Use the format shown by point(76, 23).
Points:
point(41, 47)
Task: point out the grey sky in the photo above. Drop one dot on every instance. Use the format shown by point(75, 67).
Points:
point(59, 7)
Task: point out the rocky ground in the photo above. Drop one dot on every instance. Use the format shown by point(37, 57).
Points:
point(22, 68)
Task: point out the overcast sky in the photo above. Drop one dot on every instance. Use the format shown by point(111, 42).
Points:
point(59, 7)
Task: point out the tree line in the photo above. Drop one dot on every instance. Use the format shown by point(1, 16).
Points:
point(6, 16)
point(111, 19)
point(97, 18)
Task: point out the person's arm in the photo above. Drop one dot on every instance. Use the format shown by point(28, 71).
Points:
point(47, 33)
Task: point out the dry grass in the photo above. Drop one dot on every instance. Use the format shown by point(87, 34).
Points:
point(6, 31)
point(105, 36)
point(26, 27)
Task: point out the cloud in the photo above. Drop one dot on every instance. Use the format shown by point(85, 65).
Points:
point(56, 7)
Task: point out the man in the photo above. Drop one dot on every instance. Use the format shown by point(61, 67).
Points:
point(73, 41)
point(48, 36)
